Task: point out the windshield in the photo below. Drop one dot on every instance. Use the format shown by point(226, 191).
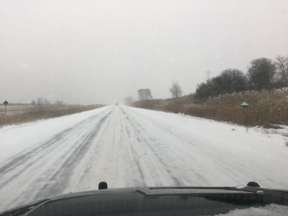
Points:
point(141, 93)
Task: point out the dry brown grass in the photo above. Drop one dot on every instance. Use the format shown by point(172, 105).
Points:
point(43, 112)
point(266, 108)
point(147, 104)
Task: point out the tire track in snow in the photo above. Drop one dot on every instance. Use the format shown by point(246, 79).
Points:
point(28, 157)
point(27, 154)
point(142, 137)
point(61, 176)
point(215, 155)
point(40, 160)
point(93, 156)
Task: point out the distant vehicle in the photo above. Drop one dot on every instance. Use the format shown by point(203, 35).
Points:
point(154, 201)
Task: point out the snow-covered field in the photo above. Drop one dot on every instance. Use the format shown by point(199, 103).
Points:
point(133, 147)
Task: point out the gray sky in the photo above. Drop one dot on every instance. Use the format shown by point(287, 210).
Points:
point(90, 51)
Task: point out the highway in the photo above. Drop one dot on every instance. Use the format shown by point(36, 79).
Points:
point(128, 147)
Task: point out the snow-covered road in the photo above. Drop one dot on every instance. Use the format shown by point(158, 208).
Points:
point(133, 147)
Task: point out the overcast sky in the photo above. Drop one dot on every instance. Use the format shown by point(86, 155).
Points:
point(90, 51)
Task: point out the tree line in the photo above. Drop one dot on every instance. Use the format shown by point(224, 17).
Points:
point(263, 73)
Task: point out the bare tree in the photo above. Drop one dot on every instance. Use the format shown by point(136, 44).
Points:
point(46, 101)
point(40, 101)
point(282, 68)
point(208, 75)
point(176, 90)
point(144, 94)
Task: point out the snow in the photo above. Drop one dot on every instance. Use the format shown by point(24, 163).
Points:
point(224, 149)
point(130, 147)
point(269, 210)
point(15, 138)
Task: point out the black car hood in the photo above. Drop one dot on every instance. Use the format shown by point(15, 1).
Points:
point(153, 201)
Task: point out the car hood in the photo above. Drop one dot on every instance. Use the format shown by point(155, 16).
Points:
point(153, 201)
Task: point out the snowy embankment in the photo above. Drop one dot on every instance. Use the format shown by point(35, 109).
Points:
point(130, 147)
